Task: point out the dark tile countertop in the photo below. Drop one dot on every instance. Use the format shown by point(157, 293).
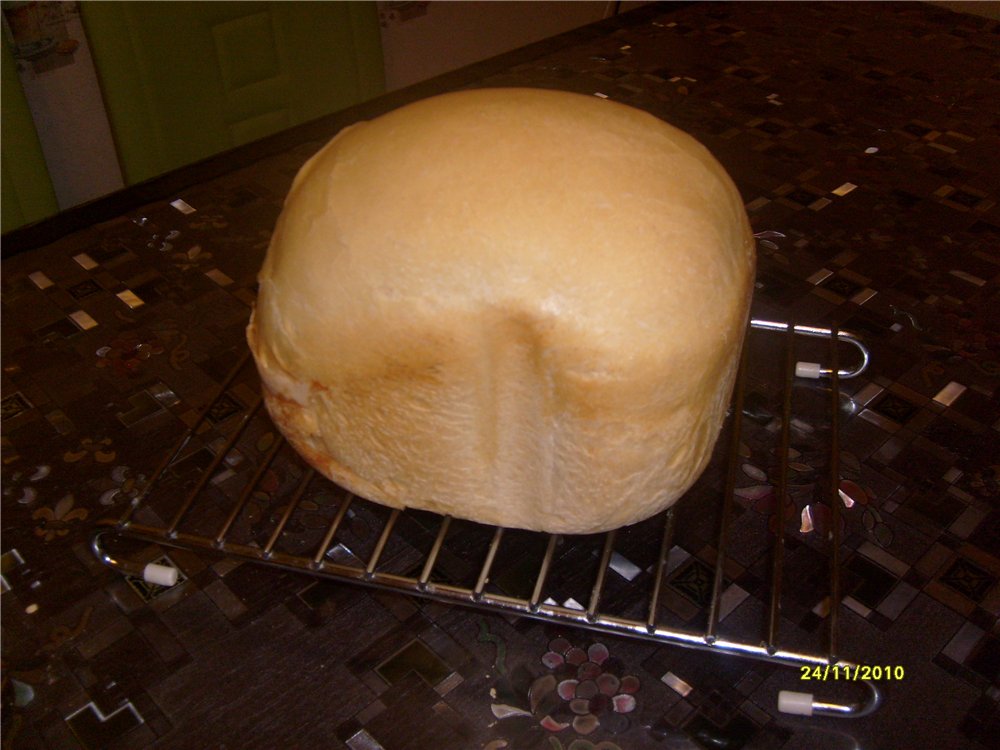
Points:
point(865, 135)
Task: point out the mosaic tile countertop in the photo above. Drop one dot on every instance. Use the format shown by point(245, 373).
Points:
point(865, 139)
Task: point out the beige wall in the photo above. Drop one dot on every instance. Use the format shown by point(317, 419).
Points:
point(422, 40)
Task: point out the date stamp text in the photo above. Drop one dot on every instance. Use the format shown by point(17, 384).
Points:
point(852, 673)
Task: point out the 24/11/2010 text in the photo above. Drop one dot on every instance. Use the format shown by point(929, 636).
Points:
point(851, 672)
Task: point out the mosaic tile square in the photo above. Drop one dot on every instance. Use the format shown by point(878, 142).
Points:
point(939, 507)
point(57, 331)
point(694, 579)
point(871, 583)
point(96, 730)
point(415, 657)
point(897, 409)
point(968, 579)
point(985, 660)
point(966, 198)
point(736, 733)
point(107, 254)
point(84, 289)
point(987, 534)
point(14, 405)
point(802, 196)
point(318, 593)
point(223, 408)
point(142, 406)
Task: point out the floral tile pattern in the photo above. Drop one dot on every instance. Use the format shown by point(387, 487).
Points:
point(863, 139)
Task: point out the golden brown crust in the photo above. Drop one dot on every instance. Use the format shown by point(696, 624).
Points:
point(521, 307)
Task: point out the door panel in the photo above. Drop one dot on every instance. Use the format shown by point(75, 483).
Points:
point(27, 188)
point(186, 80)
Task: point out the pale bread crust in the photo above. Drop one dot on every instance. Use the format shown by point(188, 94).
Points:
point(517, 306)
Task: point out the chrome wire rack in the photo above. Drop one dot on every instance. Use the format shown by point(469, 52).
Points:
point(197, 500)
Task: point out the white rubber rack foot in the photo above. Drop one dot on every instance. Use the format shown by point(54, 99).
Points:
point(791, 702)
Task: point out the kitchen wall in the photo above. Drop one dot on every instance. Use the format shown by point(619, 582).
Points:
point(424, 39)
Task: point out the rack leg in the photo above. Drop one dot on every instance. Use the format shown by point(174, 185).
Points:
point(160, 575)
point(804, 704)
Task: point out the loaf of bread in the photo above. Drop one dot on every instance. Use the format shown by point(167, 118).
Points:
point(516, 306)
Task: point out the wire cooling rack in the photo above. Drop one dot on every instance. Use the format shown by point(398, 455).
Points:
point(205, 496)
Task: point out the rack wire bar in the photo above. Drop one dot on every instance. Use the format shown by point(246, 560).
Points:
point(331, 532)
point(289, 509)
point(206, 475)
point(380, 545)
point(484, 574)
point(835, 501)
point(425, 574)
point(595, 593)
point(727, 499)
point(781, 494)
point(482, 595)
point(669, 524)
point(265, 464)
point(184, 439)
point(543, 572)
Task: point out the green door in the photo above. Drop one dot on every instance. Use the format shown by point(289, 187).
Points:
point(27, 189)
point(185, 80)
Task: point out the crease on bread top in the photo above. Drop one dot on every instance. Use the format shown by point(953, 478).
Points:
point(517, 306)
